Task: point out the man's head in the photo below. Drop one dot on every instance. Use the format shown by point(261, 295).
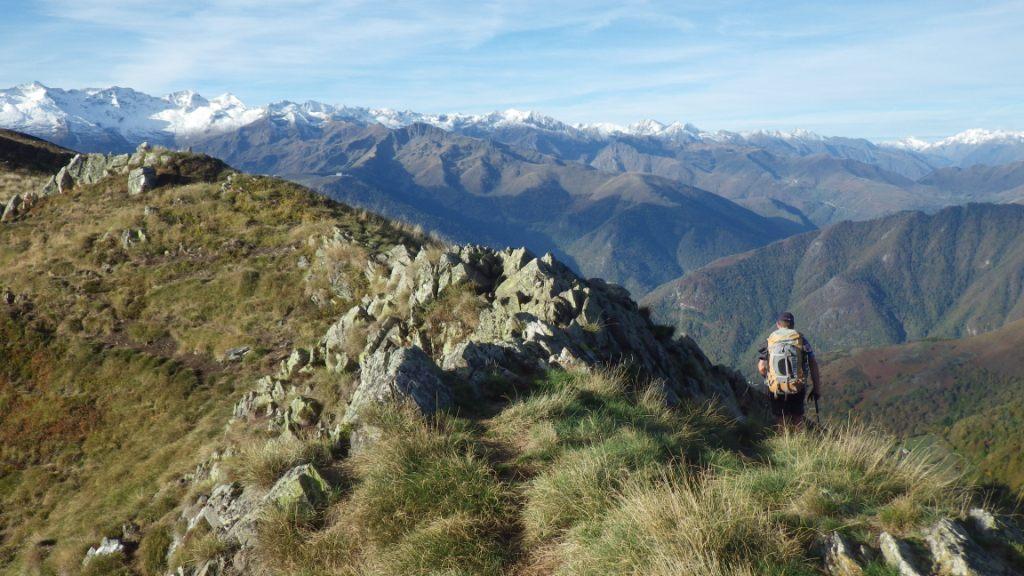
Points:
point(786, 320)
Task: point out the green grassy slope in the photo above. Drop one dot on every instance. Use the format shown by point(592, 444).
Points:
point(969, 392)
point(112, 380)
point(593, 474)
point(909, 276)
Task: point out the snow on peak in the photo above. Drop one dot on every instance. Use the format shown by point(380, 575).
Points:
point(970, 138)
point(135, 116)
point(978, 136)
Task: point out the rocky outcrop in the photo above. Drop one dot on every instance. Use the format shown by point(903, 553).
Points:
point(900, 556)
point(838, 556)
point(107, 546)
point(399, 376)
point(529, 313)
point(956, 553)
point(141, 179)
point(85, 169)
point(16, 205)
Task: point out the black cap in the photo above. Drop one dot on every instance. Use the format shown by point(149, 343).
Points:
point(787, 318)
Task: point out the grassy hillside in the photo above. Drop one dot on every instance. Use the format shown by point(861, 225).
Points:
point(594, 474)
point(968, 392)
point(117, 314)
point(113, 379)
point(905, 277)
point(26, 163)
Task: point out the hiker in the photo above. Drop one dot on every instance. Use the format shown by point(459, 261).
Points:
point(785, 362)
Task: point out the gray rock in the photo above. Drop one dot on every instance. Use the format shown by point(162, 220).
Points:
point(335, 342)
point(236, 354)
point(106, 547)
point(364, 437)
point(399, 376)
point(302, 412)
point(983, 521)
point(955, 553)
point(296, 361)
point(130, 238)
point(141, 180)
point(64, 181)
point(12, 208)
point(302, 489)
point(900, 556)
point(838, 556)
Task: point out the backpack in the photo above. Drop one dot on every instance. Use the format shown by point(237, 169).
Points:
point(785, 361)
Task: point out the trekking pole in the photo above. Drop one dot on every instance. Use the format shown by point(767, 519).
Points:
point(817, 411)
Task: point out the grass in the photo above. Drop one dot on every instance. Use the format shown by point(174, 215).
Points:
point(113, 389)
point(592, 474)
point(152, 553)
point(260, 463)
point(112, 383)
point(198, 546)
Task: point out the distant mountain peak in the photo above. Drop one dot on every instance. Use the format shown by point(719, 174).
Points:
point(969, 137)
point(117, 118)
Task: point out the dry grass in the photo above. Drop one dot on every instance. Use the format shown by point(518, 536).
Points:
point(121, 386)
point(260, 463)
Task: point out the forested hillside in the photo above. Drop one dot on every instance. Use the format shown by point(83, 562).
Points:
point(906, 277)
point(969, 392)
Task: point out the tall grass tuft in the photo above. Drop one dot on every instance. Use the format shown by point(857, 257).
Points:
point(261, 463)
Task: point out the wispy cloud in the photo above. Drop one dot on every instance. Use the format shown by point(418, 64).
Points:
point(862, 68)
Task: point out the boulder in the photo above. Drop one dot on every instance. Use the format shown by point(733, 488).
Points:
point(956, 554)
point(12, 208)
point(900, 556)
point(130, 237)
point(838, 556)
point(107, 547)
point(335, 343)
point(236, 354)
point(302, 412)
point(403, 375)
point(141, 180)
point(296, 361)
point(302, 489)
point(64, 181)
point(363, 437)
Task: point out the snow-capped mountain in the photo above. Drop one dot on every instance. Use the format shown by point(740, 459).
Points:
point(135, 116)
point(117, 119)
point(970, 147)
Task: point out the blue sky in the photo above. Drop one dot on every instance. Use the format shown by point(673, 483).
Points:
point(874, 69)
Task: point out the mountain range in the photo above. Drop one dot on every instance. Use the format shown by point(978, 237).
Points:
point(636, 229)
point(909, 276)
point(98, 118)
point(639, 205)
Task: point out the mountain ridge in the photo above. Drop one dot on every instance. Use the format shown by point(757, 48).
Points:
point(904, 277)
point(180, 116)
